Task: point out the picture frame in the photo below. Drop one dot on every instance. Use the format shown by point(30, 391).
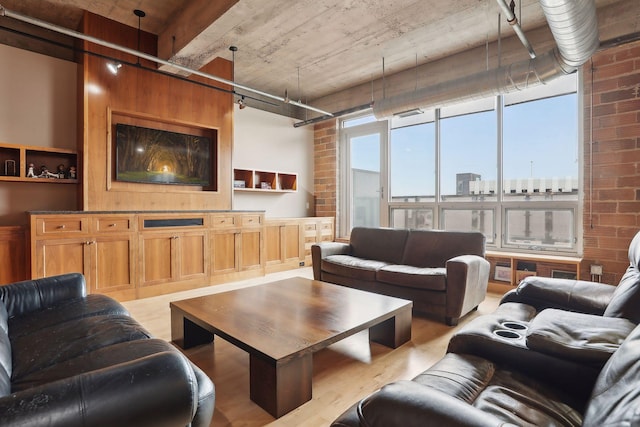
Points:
point(502, 273)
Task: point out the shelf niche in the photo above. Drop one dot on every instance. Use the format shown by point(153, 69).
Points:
point(15, 160)
point(264, 181)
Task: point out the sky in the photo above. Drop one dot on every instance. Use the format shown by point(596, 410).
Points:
point(540, 141)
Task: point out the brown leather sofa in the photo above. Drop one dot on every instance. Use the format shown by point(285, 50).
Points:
point(70, 359)
point(444, 273)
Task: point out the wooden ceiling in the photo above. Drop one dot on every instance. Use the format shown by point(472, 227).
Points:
point(310, 48)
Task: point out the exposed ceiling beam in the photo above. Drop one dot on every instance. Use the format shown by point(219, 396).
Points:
point(189, 24)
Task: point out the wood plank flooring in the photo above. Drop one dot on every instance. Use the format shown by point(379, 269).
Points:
point(342, 373)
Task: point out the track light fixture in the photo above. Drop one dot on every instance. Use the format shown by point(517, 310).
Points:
point(114, 67)
point(241, 103)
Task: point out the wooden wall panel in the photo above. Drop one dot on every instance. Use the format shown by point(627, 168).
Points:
point(140, 92)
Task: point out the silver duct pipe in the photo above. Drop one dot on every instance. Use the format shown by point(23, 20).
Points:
point(574, 26)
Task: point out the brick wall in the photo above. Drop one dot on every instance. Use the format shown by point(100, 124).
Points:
point(612, 206)
point(325, 179)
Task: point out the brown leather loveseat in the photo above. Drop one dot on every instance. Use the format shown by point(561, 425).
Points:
point(444, 273)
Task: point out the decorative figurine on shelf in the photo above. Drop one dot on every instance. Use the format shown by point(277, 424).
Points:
point(30, 173)
point(44, 173)
point(61, 171)
point(71, 173)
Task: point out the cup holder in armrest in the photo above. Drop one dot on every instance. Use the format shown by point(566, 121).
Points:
point(516, 326)
point(507, 334)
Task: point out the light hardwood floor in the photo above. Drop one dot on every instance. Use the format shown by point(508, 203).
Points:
point(342, 374)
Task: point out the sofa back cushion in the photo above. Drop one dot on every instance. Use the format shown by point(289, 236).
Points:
point(380, 244)
point(432, 248)
point(625, 301)
point(5, 353)
point(615, 397)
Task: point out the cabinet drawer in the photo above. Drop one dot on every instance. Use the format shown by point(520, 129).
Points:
point(310, 226)
point(223, 221)
point(251, 220)
point(60, 226)
point(112, 224)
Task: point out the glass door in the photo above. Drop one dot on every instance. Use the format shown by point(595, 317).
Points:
point(365, 198)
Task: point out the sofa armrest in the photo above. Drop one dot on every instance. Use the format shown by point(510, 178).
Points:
point(32, 295)
point(578, 337)
point(409, 404)
point(467, 279)
point(154, 391)
point(322, 250)
point(564, 294)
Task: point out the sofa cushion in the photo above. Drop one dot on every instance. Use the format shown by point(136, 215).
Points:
point(433, 279)
point(86, 362)
point(67, 310)
point(579, 337)
point(509, 396)
point(432, 248)
point(352, 267)
point(48, 346)
point(379, 244)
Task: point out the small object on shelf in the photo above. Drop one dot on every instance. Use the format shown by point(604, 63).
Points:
point(265, 185)
point(239, 183)
point(30, 173)
point(71, 173)
point(44, 173)
point(61, 171)
point(503, 272)
point(10, 165)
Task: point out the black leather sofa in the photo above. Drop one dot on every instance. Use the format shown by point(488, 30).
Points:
point(444, 273)
point(71, 359)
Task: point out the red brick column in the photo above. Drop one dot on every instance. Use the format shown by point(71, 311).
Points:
point(612, 205)
point(325, 135)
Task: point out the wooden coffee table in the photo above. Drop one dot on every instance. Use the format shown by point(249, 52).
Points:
point(281, 324)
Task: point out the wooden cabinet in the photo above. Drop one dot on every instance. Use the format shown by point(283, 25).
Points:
point(282, 245)
point(237, 244)
point(264, 181)
point(288, 241)
point(517, 265)
point(16, 159)
point(141, 254)
point(101, 248)
point(173, 248)
point(13, 254)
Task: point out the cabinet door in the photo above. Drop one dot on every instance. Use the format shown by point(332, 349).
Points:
point(193, 255)
point(272, 244)
point(250, 249)
point(61, 256)
point(291, 238)
point(113, 266)
point(157, 259)
point(223, 248)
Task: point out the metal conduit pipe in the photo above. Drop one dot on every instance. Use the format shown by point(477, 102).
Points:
point(513, 21)
point(574, 26)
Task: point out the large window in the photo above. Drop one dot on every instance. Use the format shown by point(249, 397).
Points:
point(507, 166)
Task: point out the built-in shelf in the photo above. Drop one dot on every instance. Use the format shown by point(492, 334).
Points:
point(264, 181)
point(510, 267)
point(16, 160)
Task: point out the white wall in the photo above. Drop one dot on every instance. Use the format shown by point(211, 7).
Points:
point(269, 142)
